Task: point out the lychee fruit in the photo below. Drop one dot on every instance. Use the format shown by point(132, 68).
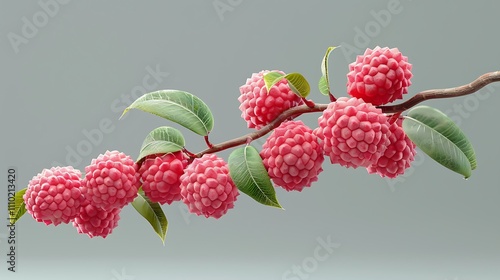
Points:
point(292, 156)
point(111, 180)
point(206, 187)
point(398, 156)
point(95, 221)
point(54, 195)
point(160, 176)
point(353, 133)
point(258, 106)
point(379, 76)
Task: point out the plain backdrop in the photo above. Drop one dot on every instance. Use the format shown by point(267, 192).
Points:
point(68, 69)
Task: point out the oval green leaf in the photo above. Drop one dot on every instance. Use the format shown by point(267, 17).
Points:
point(251, 177)
point(162, 140)
point(153, 213)
point(440, 138)
point(271, 78)
point(324, 84)
point(178, 106)
point(19, 207)
point(447, 128)
point(298, 84)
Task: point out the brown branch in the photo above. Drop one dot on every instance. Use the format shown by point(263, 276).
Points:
point(290, 113)
point(472, 87)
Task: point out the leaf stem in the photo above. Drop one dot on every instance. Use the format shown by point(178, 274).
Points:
point(309, 103)
point(210, 145)
point(332, 98)
point(191, 155)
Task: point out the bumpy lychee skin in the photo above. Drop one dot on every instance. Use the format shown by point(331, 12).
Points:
point(94, 221)
point(353, 133)
point(398, 155)
point(206, 187)
point(260, 107)
point(160, 176)
point(111, 180)
point(54, 195)
point(379, 76)
point(292, 156)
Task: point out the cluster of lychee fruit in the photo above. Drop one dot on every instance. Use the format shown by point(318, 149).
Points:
point(93, 202)
point(352, 132)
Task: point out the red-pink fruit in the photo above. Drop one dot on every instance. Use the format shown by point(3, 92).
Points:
point(379, 76)
point(54, 196)
point(206, 187)
point(292, 156)
point(260, 107)
point(160, 176)
point(398, 155)
point(111, 180)
point(95, 221)
point(353, 133)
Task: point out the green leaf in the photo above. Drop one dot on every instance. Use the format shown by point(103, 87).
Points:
point(162, 140)
point(20, 207)
point(153, 213)
point(271, 78)
point(440, 138)
point(324, 84)
point(298, 84)
point(251, 177)
point(178, 106)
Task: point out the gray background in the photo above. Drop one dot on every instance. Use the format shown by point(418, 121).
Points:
point(430, 224)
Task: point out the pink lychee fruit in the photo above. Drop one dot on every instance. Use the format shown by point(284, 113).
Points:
point(111, 180)
point(160, 176)
point(54, 195)
point(398, 156)
point(379, 76)
point(258, 106)
point(206, 187)
point(353, 133)
point(95, 221)
point(292, 156)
